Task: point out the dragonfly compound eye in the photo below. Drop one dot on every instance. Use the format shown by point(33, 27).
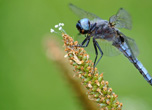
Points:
point(85, 23)
point(83, 26)
point(78, 25)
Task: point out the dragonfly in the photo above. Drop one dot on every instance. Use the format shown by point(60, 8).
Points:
point(92, 26)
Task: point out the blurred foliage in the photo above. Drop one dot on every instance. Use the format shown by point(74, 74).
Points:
point(29, 81)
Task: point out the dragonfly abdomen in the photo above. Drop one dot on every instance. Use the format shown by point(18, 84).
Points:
point(143, 71)
point(126, 51)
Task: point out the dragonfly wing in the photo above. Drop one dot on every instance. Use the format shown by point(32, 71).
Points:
point(132, 45)
point(83, 14)
point(122, 19)
point(107, 48)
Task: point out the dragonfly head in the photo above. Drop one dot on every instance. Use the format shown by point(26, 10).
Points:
point(83, 26)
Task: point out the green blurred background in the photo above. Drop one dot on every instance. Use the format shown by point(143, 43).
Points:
point(29, 81)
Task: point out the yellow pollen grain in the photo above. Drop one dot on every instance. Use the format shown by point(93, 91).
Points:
point(121, 104)
point(83, 80)
point(117, 102)
point(71, 40)
point(75, 66)
point(97, 82)
point(114, 95)
point(79, 75)
point(85, 54)
point(95, 69)
point(87, 61)
point(105, 88)
point(98, 89)
point(110, 89)
point(82, 68)
point(108, 96)
point(89, 74)
point(71, 58)
point(83, 74)
point(82, 50)
point(71, 62)
point(76, 52)
point(89, 82)
point(102, 82)
point(113, 109)
point(101, 75)
point(81, 53)
point(65, 49)
point(108, 102)
point(76, 43)
point(88, 67)
point(107, 82)
point(89, 85)
point(71, 43)
point(96, 75)
point(102, 99)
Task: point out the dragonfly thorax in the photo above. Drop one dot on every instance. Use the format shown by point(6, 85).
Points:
point(103, 30)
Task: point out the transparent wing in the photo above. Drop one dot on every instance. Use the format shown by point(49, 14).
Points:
point(122, 19)
point(107, 48)
point(132, 45)
point(82, 14)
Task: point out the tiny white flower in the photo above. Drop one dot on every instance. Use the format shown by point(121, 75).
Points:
point(60, 28)
point(56, 26)
point(60, 24)
point(51, 30)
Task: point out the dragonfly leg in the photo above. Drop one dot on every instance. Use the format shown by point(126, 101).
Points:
point(97, 45)
point(96, 52)
point(86, 40)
